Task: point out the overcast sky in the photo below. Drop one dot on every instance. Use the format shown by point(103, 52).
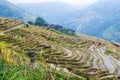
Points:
point(73, 2)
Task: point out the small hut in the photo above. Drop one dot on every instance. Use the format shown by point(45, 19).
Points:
point(26, 25)
point(31, 54)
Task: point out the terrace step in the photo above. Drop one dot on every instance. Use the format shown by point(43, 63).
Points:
point(84, 58)
point(108, 77)
point(83, 70)
point(89, 62)
point(68, 53)
point(118, 74)
point(95, 62)
point(78, 66)
point(101, 64)
point(109, 65)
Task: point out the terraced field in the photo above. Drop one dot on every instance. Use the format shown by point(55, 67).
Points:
point(82, 57)
point(7, 23)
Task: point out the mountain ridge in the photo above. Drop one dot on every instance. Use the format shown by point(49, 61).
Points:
point(14, 12)
point(97, 20)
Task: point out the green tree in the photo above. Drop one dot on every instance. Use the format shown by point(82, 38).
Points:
point(40, 21)
point(30, 22)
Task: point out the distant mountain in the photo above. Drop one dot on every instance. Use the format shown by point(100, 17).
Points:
point(9, 10)
point(51, 11)
point(102, 19)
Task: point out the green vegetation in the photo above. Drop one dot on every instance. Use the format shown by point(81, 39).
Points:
point(109, 51)
point(57, 56)
point(54, 27)
point(39, 22)
point(10, 70)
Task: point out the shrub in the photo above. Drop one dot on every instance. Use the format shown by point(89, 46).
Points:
point(40, 21)
point(109, 51)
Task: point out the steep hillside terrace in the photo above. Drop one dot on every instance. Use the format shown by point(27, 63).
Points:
point(8, 23)
point(81, 57)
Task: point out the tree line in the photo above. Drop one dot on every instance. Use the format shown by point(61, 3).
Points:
point(42, 22)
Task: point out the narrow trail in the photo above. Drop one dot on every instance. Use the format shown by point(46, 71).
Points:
point(11, 29)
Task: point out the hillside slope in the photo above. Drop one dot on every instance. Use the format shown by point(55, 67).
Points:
point(14, 12)
point(100, 19)
point(58, 56)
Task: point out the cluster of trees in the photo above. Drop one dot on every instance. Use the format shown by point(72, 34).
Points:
point(62, 29)
point(41, 22)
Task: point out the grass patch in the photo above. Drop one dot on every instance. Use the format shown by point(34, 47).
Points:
point(109, 51)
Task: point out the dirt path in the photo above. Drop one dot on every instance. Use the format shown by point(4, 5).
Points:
point(11, 29)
